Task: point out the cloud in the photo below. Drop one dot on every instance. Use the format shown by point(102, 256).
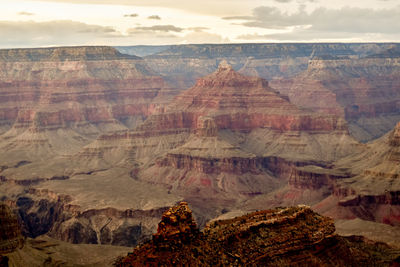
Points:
point(198, 29)
point(133, 15)
point(198, 37)
point(207, 7)
point(63, 32)
point(154, 17)
point(156, 28)
point(283, 1)
point(326, 21)
point(24, 13)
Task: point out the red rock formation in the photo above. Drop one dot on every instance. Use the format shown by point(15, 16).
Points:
point(284, 236)
point(58, 87)
point(238, 102)
point(314, 178)
point(176, 223)
point(227, 100)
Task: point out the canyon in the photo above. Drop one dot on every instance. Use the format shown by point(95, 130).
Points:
point(98, 143)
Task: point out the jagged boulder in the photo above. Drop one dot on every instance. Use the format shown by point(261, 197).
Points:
point(177, 223)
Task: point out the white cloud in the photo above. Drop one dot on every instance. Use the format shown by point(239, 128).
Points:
point(29, 33)
point(323, 23)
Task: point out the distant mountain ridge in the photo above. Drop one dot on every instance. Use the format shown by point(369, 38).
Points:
point(68, 53)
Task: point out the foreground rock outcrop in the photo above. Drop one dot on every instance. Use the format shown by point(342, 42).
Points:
point(279, 237)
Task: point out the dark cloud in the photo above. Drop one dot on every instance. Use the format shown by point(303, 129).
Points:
point(24, 13)
point(29, 33)
point(157, 28)
point(344, 20)
point(154, 17)
point(133, 15)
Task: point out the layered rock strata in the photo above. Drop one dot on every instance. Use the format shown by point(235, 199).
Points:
point(226, 114)
point(364, 91)
point(266, 237)
point(72, 94)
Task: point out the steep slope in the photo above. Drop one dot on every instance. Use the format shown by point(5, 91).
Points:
point(266, 237)
point(373, 193)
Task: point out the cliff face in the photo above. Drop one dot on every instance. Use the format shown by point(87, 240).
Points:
point(283, 236)
point(239, 102)
point(364, 91)
point(73, 94)
point(10, 231)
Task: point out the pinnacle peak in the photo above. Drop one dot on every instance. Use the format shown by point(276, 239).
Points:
point(224, 65)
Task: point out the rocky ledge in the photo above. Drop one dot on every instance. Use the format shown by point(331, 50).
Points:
point(10, 233)
point(278, 237)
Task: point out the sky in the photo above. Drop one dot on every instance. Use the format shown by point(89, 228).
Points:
point(34, 23)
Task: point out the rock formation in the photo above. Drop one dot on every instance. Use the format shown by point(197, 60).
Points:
point(284, 236)
point(56, 100)
point(183, 64)
point(373, 191)
point(316, 76)
point(236, 125)
point(363, 90)
point(10, 233)
point(363, 185)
